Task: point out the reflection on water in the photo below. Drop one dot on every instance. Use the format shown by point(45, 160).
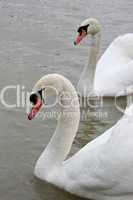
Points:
point(36, 39)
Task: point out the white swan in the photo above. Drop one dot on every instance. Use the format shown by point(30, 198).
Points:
point(113, 74)
point(103, 169)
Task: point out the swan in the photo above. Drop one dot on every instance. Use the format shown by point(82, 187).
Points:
point(101, 170)
point(112, 74)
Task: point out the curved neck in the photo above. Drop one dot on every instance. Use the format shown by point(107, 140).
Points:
point(61, 142)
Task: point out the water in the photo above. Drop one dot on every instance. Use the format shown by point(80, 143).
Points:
point(36, 38)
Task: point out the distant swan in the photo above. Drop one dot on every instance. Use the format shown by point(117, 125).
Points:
point(101, 170)
point(113, 73)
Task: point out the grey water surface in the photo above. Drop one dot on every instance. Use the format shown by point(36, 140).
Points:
point(36, 38)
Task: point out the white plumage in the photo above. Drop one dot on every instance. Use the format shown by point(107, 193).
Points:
point(113, 73)
point(101, 170)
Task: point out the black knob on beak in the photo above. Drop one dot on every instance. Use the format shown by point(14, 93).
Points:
point(33, 98)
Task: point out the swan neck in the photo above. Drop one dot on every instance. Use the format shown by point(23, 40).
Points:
point(67, 125)
point(94, 49)
point(90, 68)
point(65, 132)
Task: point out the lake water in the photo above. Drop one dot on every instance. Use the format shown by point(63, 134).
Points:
point(36, 38)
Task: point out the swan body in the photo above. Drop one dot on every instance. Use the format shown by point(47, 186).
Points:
point(113, 73)
point(101, 170)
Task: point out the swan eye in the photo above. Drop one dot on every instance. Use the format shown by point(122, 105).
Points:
point(83, 28)
point(40, 93)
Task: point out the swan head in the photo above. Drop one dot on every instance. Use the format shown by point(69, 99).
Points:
point(50, 85)
point(90, 26)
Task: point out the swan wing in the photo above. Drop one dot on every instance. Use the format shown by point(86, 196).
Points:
point(114, 72)
point(105, 165)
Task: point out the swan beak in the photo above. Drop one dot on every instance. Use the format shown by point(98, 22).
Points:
point(35, 109)
point(80, 37)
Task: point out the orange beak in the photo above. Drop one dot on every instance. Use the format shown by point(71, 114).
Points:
point(35, 109)
point(80, 37)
